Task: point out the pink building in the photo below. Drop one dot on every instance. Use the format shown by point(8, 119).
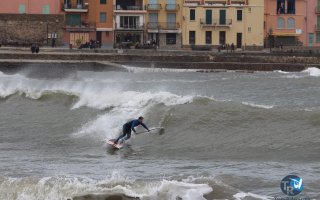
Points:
point(30, 6)
point(291, 22)
point(313, 22)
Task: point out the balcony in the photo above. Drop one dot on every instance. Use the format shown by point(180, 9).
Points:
point(84, 26)
point(215, 2)
point(129, 9)
point(163, 25)
point(129, 26)
point(154, 7)
point(241, 2)
point(78, 8)
point(215, 23)
point(192, 2)
point(172, 7)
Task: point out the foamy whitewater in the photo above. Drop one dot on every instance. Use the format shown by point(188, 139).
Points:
point(227, 135)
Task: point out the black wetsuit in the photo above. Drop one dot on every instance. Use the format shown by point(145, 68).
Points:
point(127, 127)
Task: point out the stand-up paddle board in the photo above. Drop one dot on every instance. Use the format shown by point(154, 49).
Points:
point(117, 146)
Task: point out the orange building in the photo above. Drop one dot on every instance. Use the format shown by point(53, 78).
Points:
point(88, 20)
point(286, 22)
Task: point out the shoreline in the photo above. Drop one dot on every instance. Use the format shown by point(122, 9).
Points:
point(207, 61)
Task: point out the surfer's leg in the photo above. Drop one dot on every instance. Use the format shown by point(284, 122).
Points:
point(124, 133)
point(127, 137)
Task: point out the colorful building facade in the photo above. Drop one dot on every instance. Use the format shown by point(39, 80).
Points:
point(88, 20)
point(164, 23)
point(313, 23)
point(222, 22)
point(30, 7)
point(129, 23)
point(291, 23)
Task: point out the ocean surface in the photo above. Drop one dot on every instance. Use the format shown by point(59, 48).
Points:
point(227, 135)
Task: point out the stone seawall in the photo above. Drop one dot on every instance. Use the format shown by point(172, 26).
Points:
point(183, 61)
point(25, 29)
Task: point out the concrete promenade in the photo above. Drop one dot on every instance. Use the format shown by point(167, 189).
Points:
point(211, 61)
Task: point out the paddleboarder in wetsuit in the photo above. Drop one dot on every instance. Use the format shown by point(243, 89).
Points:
point(127, 127)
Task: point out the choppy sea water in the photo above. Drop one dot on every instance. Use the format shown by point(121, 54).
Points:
point(227, 135)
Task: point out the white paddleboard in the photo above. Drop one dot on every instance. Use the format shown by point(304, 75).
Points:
point(111, 142)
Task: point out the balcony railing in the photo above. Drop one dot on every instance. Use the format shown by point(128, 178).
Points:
point(154, 7)
point(216, 22)
point(163, 25)
point(129, 26)
point(129, 8)
point(239, 2)
point(75, 8)
point(172, 7)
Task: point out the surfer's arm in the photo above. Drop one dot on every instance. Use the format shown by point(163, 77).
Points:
point(144, 126)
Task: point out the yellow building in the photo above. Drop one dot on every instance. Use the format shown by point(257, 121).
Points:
point(164, 20)
point(222, 22)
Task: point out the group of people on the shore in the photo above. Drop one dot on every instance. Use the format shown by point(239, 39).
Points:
point(227, 47)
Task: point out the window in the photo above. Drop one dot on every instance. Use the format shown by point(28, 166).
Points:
point(222, 37)
point(281, 7)
point(291, 7)
point(286, 6)
point(79, 2)
point(318, 37)
point(280, 22)
point(291, 23)
point(192, 37)
point(192, 14)
point(249, 29)
point(239, 15)
point(46, 9)
point(130, 22)
point(103, 1)
point(171, 38)
point(208, 37)
point(73, 19)
point(103, 17)
point(22, 8)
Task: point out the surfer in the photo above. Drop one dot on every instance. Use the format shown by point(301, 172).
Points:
point(127, 127)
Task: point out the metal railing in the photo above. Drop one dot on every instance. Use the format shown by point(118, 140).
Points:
point(129, 26)
point(163, 25)
point(155, 7)
point(216, 22)
point(123, 7)
point(172, 7)
point(74, 6)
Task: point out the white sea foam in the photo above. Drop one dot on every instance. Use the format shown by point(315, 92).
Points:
point(257, 105)
point(312, 71)
point(152, 69)
point(243, 195)
point(61, 188)
point(126, 105)
point(282, 72)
